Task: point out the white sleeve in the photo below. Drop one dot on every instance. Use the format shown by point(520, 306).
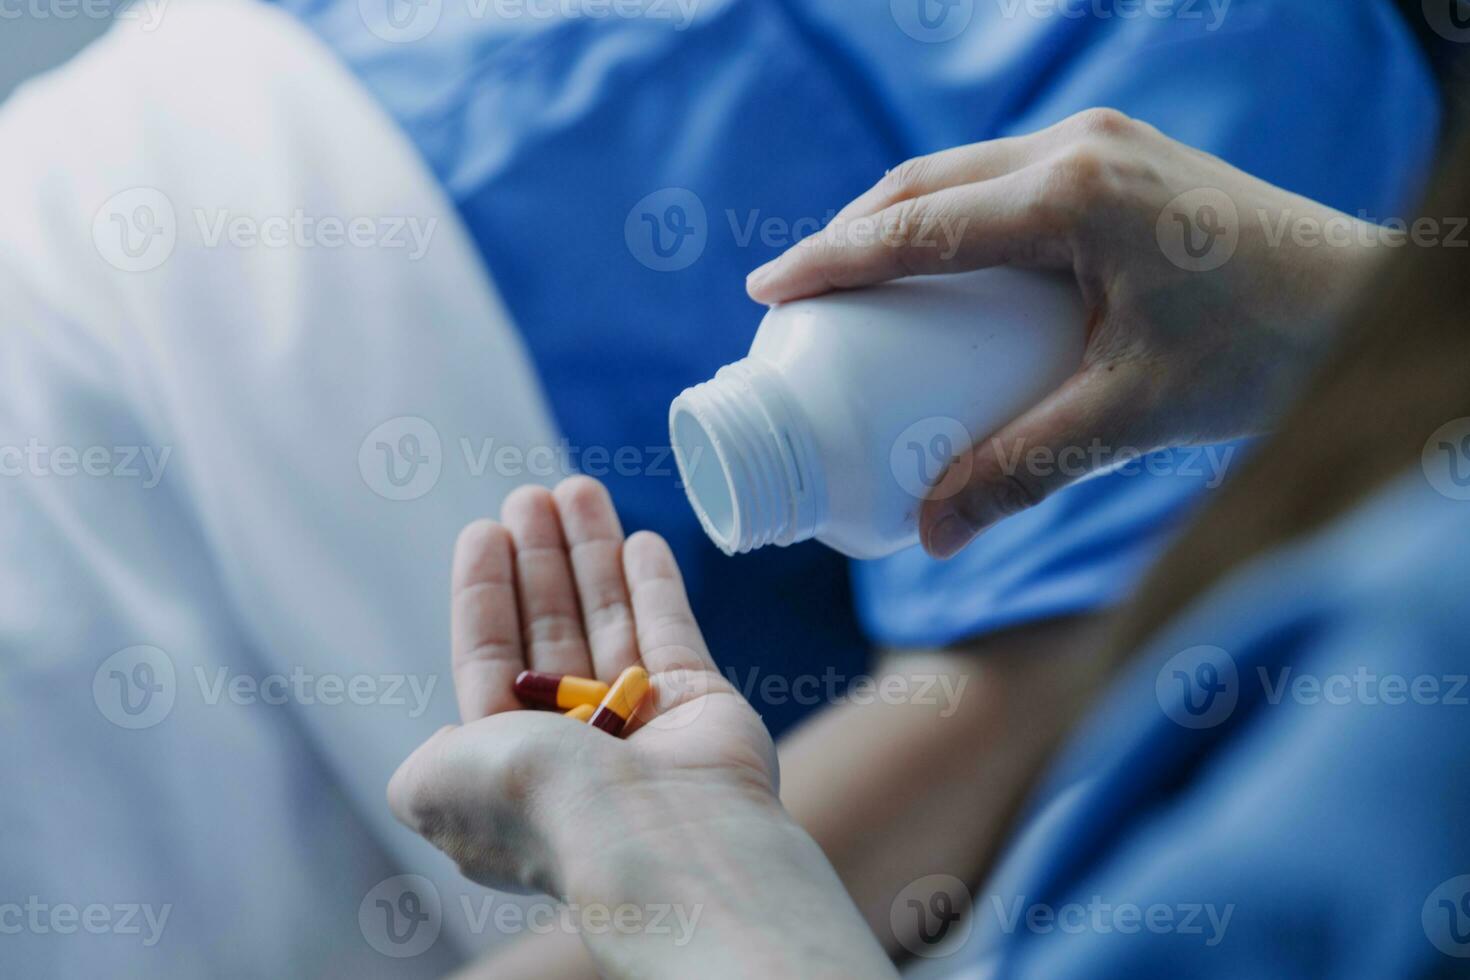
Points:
point(250, 366)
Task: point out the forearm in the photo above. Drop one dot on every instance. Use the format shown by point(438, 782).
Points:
point(896, 791)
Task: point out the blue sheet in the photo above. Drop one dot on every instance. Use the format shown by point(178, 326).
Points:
point(1279, 777)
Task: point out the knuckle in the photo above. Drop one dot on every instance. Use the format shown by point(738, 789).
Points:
point(906, 179)
point(1075, 186)
point(905, 230)
point(1103, 121)
point(553, 629)
point(1085, 169)
point(899, 223)
point(1013, 493)
point(1003, 490)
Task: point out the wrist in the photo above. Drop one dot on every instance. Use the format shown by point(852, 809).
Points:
point(625, 843)
point(738, 888)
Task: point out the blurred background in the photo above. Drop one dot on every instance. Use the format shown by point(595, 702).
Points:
point(31, 43)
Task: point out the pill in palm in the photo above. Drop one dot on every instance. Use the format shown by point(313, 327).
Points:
point(622, 701)
point(558, 691)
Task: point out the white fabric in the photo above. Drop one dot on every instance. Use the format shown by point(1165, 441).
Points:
point(268, 545)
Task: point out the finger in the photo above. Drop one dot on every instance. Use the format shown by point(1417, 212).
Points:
point(595, 543)
point(923, 175)
point(551, 620)
point(485, 631)
point(973, 226)
point(668, 637)
point(1093, 416)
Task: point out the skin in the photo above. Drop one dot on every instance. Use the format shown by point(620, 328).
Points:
point(684, 810)
point(687, 806)
point(934, 783)
point(1175, 355)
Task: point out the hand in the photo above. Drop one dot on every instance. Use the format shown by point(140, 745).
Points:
point(681, 814)
point(522, 799)
point(1181, 350)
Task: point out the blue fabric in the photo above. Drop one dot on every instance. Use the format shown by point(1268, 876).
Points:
point(1316, 800)
point(551, 134)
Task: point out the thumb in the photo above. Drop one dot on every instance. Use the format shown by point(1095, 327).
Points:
point(1079, 428)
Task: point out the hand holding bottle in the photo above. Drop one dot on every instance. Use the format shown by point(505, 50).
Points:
point(1206, 302)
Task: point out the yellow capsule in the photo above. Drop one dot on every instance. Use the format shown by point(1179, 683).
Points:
point(622, 701)
point(561, 691)
point(581, 712)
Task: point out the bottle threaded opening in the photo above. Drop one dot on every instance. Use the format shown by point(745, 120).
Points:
point(745, 458)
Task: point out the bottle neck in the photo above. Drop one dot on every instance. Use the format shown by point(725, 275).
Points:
point(747, 459)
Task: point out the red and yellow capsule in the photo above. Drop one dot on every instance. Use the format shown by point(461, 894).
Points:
point(558, 691)
point(582, 712)
point(622, 701)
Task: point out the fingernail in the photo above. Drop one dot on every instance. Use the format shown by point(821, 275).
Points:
point(948, 535)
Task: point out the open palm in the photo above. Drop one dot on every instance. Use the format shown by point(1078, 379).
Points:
point(554, 587)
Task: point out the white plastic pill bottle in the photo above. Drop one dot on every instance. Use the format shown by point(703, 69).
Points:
point(851, 406)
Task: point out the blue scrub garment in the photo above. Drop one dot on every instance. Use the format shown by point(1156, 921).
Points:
point(1284, 768)
point(618, 175)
